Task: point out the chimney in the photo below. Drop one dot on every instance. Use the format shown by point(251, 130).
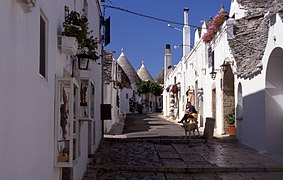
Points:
point(186, 33)
point(168, 50)
point(167, 60)
point(186, 20)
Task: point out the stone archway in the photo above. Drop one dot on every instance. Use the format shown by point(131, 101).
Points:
point(228, 94)
point(274, 102)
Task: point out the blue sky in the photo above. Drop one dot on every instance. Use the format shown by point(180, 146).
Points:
point(144, 39)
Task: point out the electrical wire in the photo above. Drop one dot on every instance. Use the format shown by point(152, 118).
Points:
point(111, 2)
point(159, 19)
point(147, 16)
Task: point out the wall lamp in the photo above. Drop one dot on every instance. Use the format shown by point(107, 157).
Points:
point(83, 61)
point(213, 74)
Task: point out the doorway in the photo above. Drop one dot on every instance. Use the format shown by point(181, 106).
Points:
point(228, 98)
point(274, 102)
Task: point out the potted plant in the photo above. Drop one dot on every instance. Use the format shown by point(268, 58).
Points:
point(76, 25)
point(230, 119)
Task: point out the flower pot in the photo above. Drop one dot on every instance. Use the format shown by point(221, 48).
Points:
point(231, 129)
point(68, 45)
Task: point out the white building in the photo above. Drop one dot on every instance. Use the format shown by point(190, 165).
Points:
point(128, 94)
point(174, 98)
point(249, 46)
point(258, 86)
point(148, 98)
point(117, 92)
point(39, 83)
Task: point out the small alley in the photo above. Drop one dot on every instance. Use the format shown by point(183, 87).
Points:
point(151, 147)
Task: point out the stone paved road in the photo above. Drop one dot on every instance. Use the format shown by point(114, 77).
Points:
point(153, 148)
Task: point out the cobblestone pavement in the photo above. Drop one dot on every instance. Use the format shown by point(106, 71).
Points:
point(133, 156)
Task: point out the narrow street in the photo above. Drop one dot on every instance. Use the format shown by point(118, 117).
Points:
point(152, 147)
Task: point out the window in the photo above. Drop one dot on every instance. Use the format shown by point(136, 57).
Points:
point(86, 99)
point(42, 48)
point(67, 127)
point(210, 57)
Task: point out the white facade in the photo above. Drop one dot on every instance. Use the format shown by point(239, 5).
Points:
point(267, 96)
point(126, 94)
point(257, 100)
point(117, 96)
point(27, 123)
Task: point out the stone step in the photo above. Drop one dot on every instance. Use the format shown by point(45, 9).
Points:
point(188, 176)
point(170, 169)
point(159, 140)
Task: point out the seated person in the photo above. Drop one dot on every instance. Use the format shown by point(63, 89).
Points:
point(190, 113)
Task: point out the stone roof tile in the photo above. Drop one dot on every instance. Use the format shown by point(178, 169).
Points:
point(143, 73)
point(107, 70)
point(160, 77)
point(249, 44)
point(129, 70)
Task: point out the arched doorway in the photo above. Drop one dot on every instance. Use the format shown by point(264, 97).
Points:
point(228, 96)
point(274, 102)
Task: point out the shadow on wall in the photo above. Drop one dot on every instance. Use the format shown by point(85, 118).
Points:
point(274, 119)
point(261, 126)
point(252, 127)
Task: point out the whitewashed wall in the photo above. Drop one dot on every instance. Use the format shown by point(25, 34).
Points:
point(253, 113)
point(27, 99)
point(94, 13)
point(109, 97)
point(272, 64)
point(126, 94)
point(260, 122)
point(236, 10)
point(262, 104)
point(26, 107)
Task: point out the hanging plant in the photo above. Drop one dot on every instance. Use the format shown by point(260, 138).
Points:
point(76, 25)
point(215, 27)
point(219, 20)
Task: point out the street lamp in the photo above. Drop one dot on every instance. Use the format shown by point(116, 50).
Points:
point(169, 25)
point(181, 45)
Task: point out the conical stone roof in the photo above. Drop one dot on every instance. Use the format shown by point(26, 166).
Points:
point(143, 73)
point(160, 77)
point(129, 70)
point(251, 31)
